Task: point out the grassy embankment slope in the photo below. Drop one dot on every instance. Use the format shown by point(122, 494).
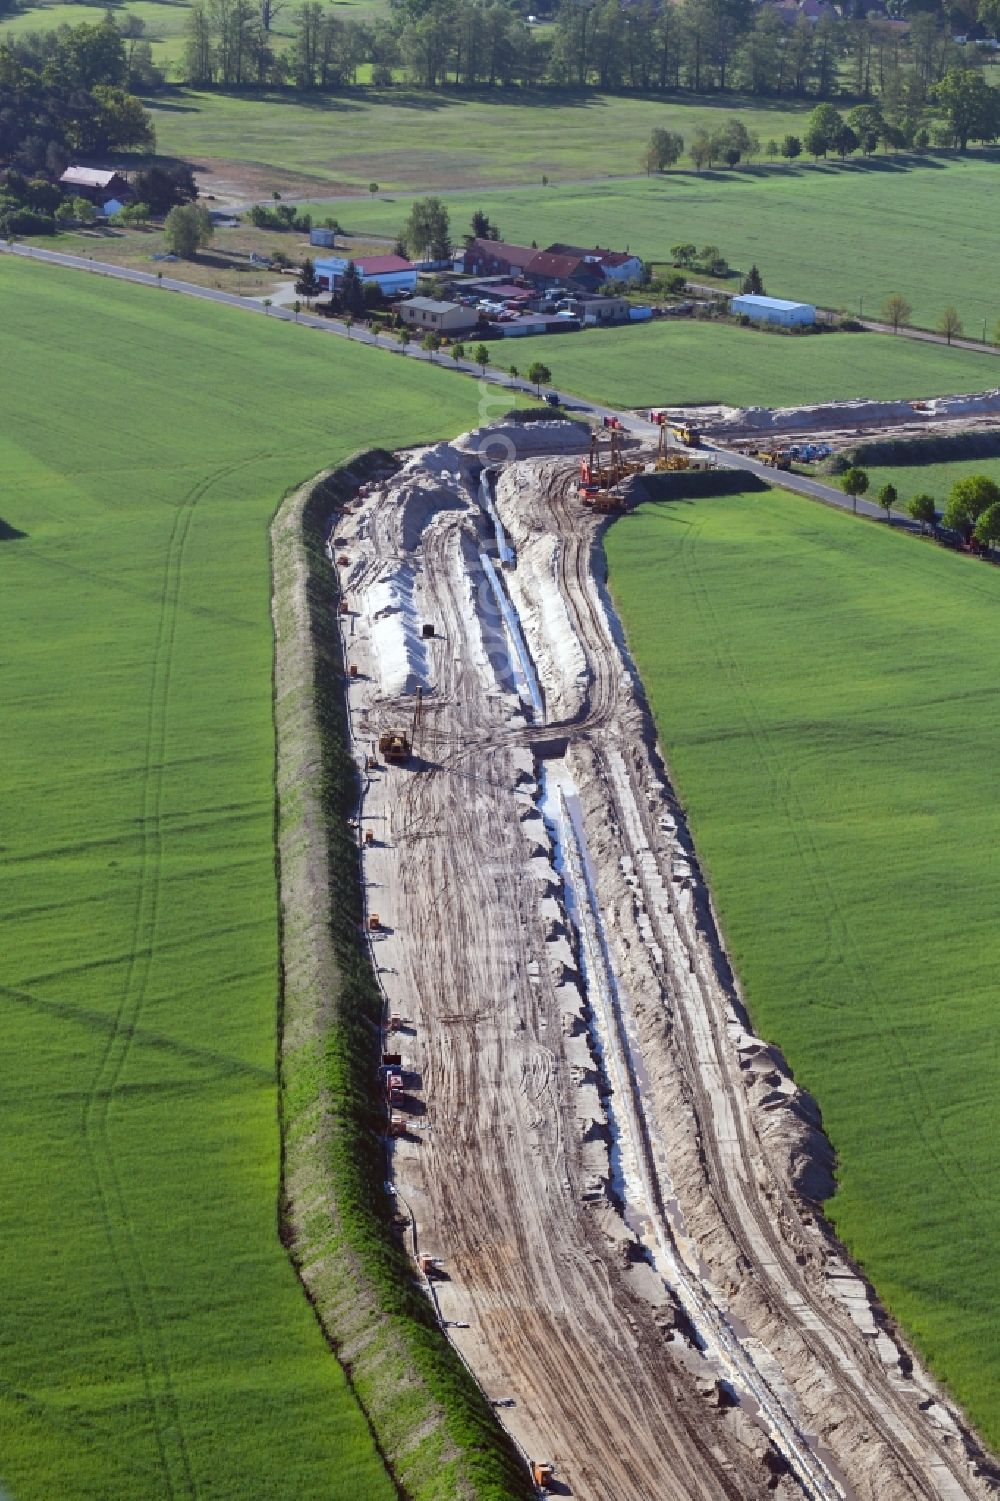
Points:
point(686, 361)
point(826, 695)
point(158, 1342)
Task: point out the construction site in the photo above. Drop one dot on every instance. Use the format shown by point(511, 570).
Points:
point(608, 1184)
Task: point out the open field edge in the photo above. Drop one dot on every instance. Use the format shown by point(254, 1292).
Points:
point(434, 1428)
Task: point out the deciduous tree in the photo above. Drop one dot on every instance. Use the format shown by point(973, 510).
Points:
point(887, 498)
point(854, 483)
point(540, 375)
point(968, 499)
point(988, 526)
point(923, 509)
point(949, 323)
point(187, 228)
point(896, 310)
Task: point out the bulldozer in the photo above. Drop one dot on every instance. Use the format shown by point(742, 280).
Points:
point(396, 746)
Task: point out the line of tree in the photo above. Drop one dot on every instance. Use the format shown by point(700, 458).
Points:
point(701, 46)
point(972, 510)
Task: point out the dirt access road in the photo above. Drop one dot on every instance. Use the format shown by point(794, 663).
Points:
point(616, 1175)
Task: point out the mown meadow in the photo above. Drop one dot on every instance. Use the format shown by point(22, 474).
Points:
point(684, 361)
point(157, 1342)
point(825, 694)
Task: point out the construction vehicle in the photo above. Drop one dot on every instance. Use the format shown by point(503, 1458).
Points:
point(542, 1473)
point(688, 435)
point(668, 458)
point(396, 745)
point(774, 457)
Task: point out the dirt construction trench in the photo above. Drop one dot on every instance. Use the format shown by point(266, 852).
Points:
point(617, 1179)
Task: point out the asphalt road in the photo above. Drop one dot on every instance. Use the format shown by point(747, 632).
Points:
point(638, 426)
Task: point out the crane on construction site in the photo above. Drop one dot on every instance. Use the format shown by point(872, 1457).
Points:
point(396, 745)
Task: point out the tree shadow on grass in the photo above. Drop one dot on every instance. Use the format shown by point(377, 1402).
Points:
point(10, 533)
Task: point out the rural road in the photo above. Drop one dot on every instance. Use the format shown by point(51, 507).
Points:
point(810, 488)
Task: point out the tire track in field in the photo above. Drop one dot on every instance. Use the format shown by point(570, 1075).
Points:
point(123, 1243)
point(896, 1059)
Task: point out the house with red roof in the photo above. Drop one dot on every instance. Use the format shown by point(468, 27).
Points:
point(616, 265)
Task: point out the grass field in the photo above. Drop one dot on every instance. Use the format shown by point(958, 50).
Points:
point(825, 693)
point(830, 234)
point(679, 361)
point(407, 138)
point(157, 1342)
point(929, 479)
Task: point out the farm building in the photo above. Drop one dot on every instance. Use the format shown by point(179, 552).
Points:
point(583, 270)
point(434, 317)
point(390, 273)
point(617, 265)
point(579, 272)
point(496, 258)
point(591, 310)
point(97, 186)
point(773, 310)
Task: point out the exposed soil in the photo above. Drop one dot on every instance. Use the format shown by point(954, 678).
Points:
point(620, 1180)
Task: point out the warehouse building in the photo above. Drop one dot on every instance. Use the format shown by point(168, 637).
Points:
point(773, 310)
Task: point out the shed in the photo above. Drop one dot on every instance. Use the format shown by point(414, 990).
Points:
point(773, 310)
point(325, 238)
point(95, 183)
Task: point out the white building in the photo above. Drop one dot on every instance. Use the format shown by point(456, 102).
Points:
point(773, 310)
point(391, 274)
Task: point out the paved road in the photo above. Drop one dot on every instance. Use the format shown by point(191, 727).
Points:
point(638, 426)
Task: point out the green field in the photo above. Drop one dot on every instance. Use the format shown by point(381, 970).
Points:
point(684, 361)
point(407, 138)
point(929, 479)
point(829, 234)
point(157, 1342)
point(826, 696)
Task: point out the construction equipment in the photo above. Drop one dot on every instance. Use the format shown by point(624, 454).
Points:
point(542, 1473)
point(688, 435)
point(374, 922)
point(668, 458)
point(774, 457)
point(396, 745)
